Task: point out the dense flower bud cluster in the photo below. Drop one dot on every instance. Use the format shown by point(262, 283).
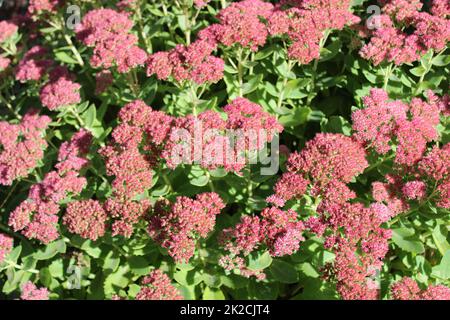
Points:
point(390, 42)
point(304, 23)
point(7, 30)
point(157, 286)
point(193, 62)
point(22, 146)
point(360, 245)
point(435, 167)
point(177, 226)
point(327, 162)
point(240, 23)
point(279, 231)
point(31, 292)
point(60, 90)
point(85, 218)
point(384, 122)
point(108, 31)
point(357, 210)
point(33, 65)
point(408, 289)
point(37, 216)
point(6, 245)
point(131, 162)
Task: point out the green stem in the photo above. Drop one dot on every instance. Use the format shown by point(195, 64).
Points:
point(285, 81)
point(4, 228)
point(8, 51)
point(210, 182)
point(11, 190)
point(188, 22)
point(194, 98)
point(377, 164)
point(20, 267)
point(315, 65)
point(10, 107)
point(167, 181)
point(60, 25)
point(134, 82)
point(240, 70)
point(147, 45)
point(121, 251)
point(77, 117)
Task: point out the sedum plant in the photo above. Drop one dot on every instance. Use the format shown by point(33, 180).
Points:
point(216, 149)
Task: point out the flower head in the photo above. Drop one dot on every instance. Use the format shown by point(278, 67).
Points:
point(157, 286)
point(22, 146)
point(31, 292)
point(6, 245)
point(60, 93)
point(178, 226)
point(86, 218)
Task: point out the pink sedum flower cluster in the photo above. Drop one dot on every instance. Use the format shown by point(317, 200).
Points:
point(7, 30)
point(22, 146)
point(157, 286)
point(145, 136)
point(177, 226)
point(131, 168)
point(187, 63)
point(327, 163)
point(408, 289)
point(329, 157)
point(109, 32)
point(390, 43)
point(31, 292)
point(304, 23)
point(352, 231)
point(360, 245)
point(435, 166)
point(37, 216)
point(60, 93)
point(38, 6)
point(224, 143)
point(130, 157)
point(86, 218)
point(4, 63)
point(6, 246)
point(279, 231)
point(440, 8)
point(60, 90)
point(33, 65)
point(384, 123)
